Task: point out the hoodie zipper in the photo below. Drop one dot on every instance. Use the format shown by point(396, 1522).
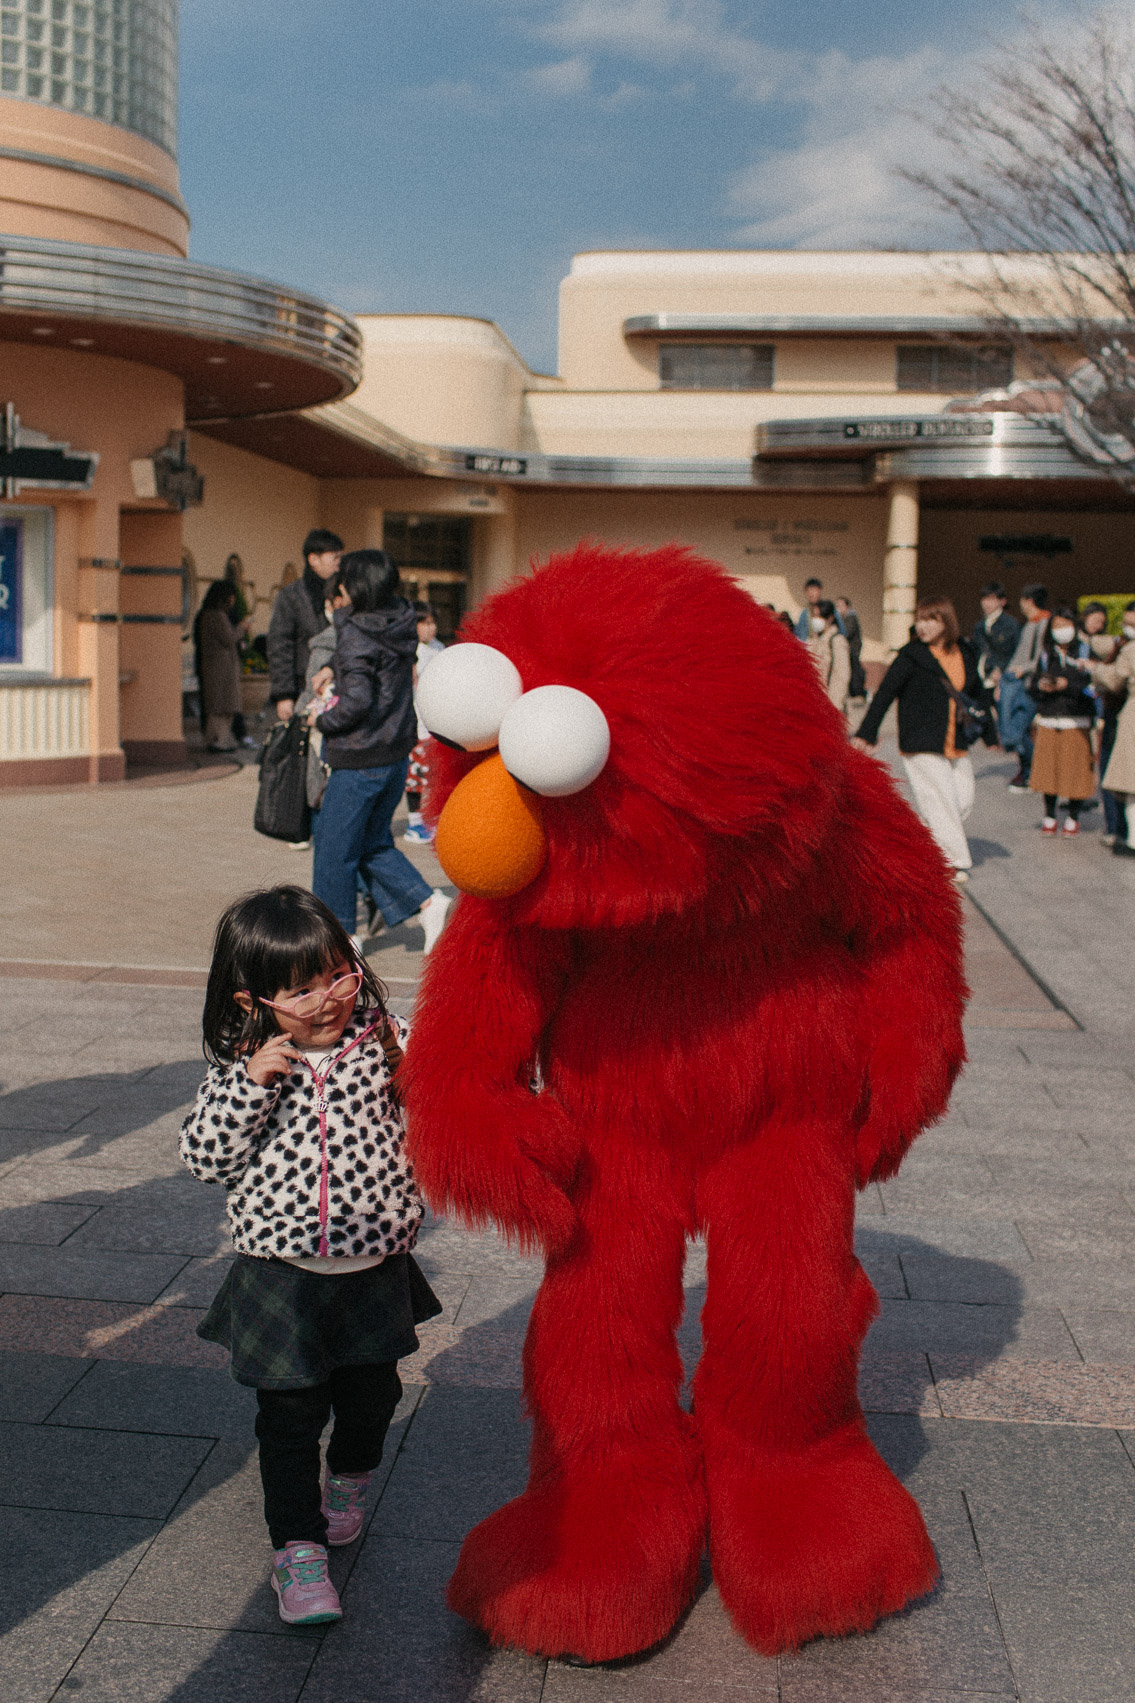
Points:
point(320, 1080)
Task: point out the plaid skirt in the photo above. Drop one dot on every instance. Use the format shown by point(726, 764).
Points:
point(288, 1329)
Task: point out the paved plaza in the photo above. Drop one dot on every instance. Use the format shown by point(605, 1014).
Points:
point(999, 1380)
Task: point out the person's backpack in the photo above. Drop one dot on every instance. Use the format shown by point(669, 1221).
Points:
point(282, 810)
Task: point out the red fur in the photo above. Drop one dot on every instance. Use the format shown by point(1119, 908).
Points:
point(740, 970)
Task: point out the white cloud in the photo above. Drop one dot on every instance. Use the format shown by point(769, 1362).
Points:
point(672, 33)
point(564, 78)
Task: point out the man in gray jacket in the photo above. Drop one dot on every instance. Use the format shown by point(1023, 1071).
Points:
point(297, 616)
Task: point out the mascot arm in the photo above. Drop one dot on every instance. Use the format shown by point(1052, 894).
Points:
point(903, 917)
point(482, 1143)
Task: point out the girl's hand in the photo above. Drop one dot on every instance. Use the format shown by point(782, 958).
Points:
point(274, 1058)
point(321, 679)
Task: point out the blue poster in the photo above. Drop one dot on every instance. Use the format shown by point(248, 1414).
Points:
point(11, 586)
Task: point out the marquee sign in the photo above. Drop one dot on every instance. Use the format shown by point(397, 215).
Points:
point(31, 458)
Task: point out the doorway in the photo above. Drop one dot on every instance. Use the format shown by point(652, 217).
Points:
point(434, 555)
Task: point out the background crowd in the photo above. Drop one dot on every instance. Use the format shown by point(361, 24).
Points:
point(1050, 684)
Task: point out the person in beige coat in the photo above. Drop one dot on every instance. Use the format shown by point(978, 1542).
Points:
point(831, 653)
point(1119, 776)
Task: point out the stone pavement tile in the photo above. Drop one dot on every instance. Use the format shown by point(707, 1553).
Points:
point(209, 1565)
point(1108, 1241)
point(1014, 1143)
point(609, 1685)
point(194, 1225)
point(1051, 1505)
point(944, 1277)
point(32, 1385)
point(197, 1282)
point(897, 1383)
point(967, 1238)
point(949, 1643)
point(56, 1178)
point(51, 1105)
point(398, 1643)
point(45, 1222)
point(1103, 1336)
point(487, 1356)
point(86, 1274)
point(494, 1295)
point(1037, 1392)
point(986, 1331)
point(184, 1664)
point(869, 1202)
point(883, 1268)
point(704, 1657)
point(58, 1577)
point(95, 1472)
point(185, 1401)
point(1070, 1643)
point(107, 1330)
point(465, 1454)
point(443, 1244)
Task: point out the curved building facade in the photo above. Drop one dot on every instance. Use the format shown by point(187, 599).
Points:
point(111, 343)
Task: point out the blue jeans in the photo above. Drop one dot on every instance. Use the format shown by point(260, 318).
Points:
point(1017, 710)
point(352, 838)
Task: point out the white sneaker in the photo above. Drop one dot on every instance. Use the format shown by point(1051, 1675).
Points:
point(961, 876)
point(432, 917)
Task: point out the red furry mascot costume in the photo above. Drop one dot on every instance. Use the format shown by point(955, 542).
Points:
point(712, 991)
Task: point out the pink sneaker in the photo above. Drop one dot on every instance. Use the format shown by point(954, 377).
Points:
point(344, 1505)
point(299, 1579)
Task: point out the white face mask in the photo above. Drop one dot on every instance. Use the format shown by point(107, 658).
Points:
point(1064, 635)
point(818, 623)
point(1128, 631)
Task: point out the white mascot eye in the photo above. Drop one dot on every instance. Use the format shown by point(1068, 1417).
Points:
point(464, 693)
point(555, 740)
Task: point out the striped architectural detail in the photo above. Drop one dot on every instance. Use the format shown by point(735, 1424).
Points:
point(47, 719)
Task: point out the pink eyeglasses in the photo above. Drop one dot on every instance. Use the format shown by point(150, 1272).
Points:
point(308, 1004)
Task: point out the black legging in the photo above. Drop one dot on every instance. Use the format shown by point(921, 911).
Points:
point(1075, 805)
point(289, 1426)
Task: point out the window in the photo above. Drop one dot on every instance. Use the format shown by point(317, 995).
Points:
point(715, 366)
point(25, 590)
point(958, 371)
point(434, 554)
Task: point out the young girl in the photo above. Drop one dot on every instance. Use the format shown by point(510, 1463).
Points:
point(299, 1118)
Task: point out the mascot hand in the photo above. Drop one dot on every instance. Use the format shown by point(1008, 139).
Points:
point(511, 1166)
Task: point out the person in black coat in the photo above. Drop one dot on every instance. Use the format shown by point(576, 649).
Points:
point(369, 729)
point(297, 615)
point(996, 634)
point(926, 679)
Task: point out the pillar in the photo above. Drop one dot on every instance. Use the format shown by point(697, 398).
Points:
point(495, 561)
point(900, 565)
point(373, 529)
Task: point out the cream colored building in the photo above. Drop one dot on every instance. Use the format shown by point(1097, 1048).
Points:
point(787, 414)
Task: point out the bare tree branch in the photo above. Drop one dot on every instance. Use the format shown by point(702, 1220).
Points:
point(1040, 172)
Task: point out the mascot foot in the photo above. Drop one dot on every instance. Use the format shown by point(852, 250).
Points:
point(596, 1568)
point(820, 1544)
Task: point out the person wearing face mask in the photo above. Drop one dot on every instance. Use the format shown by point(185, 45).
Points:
point(1119, 776)
point(831, 653)
point(931, 678)
point(1062, 747)
point(1103, 646)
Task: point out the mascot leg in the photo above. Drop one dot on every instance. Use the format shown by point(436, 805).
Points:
point(601, 1553)
point(810, 1531)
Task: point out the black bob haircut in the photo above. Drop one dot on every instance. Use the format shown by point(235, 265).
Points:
point(993, 588)
point(273, 939)
point(826, 608)
point(319, 541)
point(1037, 594)
point(370, 579)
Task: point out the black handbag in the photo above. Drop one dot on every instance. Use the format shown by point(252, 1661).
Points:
point(282, 810)
point(975, 719)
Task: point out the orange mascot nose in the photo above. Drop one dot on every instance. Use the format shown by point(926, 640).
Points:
point(490, 838)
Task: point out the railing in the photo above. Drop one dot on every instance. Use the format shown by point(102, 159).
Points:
point(50, 718)
point(122, 286)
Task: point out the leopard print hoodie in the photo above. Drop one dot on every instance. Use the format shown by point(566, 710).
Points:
point(304, 1175)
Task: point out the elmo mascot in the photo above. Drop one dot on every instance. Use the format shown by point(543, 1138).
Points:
point(704, 979)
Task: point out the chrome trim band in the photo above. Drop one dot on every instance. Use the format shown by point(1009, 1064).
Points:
point(126, 287)
point(828, 325)
point(62, 163)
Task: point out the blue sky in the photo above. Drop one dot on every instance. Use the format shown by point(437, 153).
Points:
point(449, 156)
